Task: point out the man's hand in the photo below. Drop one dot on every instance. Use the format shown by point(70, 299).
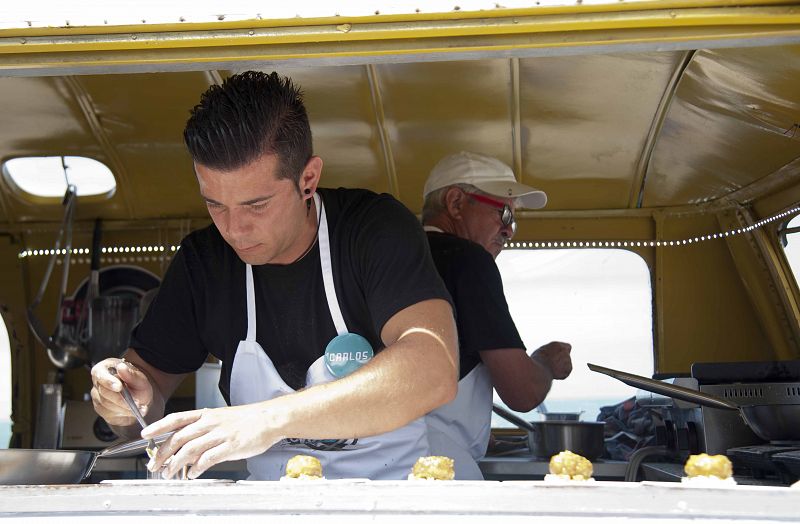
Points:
point(555, 357)
point(523, 381)
point(206, 437)
point(107, 396)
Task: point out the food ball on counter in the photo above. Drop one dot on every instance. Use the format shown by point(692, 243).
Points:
point(303, 467)
point(708, 471)
point(704, 465)
point(570, 466)
point(433, 468)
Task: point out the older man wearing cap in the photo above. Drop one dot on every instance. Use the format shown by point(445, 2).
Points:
point(468, 214)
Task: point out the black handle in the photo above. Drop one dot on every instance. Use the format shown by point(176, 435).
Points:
point(97, 235)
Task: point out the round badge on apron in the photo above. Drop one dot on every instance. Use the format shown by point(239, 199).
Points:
point(346, 353)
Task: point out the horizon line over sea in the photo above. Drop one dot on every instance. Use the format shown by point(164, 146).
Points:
point(588, 408)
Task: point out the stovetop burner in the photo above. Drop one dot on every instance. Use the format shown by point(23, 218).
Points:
point(767, 460)
point(789, 461)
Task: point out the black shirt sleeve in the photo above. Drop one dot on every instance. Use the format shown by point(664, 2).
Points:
point(473, 280)
point(394, 261)
point(484, 321)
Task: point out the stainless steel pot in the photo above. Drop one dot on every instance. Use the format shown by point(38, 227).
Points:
point(550, 437)
point(55, 466)
point(774, 422)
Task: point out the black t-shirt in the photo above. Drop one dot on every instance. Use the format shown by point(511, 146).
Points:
point(381, 265)
point(473, 280)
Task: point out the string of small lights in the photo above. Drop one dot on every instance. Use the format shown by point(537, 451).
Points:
point(150, 251)
point(560, 244)
point(110, 250)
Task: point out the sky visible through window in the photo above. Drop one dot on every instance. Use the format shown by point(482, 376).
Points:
point(598, 300)
point(46, 176)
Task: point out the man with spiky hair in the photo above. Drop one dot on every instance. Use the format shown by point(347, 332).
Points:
point(335, 333)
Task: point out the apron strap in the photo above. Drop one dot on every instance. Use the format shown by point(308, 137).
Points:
point(251, 306)
point(327, 269)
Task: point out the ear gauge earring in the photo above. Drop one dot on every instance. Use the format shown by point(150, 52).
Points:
point(308, 201)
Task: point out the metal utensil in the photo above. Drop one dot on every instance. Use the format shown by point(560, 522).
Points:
point(126, 394)
point(64, 349)
point(59, 466)
point(774, 422)
point(133, 447)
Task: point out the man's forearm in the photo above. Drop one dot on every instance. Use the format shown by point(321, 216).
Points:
point(414, 376)
point(522, 381)
point(542, 380)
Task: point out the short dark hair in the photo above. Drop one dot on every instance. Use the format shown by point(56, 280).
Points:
point(249, 115)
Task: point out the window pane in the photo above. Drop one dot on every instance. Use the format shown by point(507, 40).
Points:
point(598, 300)
point(792, 248)
point(46, 177)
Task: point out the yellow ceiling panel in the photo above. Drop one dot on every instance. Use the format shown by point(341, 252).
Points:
point(733, 121)
point(142, 108)
point(434, 109)
point(143, 116)
point(344, 125)
point(584, 125)
point(585, 121)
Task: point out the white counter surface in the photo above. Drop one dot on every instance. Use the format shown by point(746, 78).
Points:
point(354, 500)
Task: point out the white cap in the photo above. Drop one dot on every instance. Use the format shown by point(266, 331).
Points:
point(487, 174)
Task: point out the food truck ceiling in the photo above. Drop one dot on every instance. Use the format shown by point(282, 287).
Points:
point(661, 114)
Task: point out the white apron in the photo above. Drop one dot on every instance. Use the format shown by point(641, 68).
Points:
point(461, 428)
point(389, 456)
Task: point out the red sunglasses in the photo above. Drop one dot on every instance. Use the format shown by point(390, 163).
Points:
point(506, 214)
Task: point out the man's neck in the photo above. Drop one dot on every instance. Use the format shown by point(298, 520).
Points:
point(305, 241)
point(438, 224)
point(312, 229)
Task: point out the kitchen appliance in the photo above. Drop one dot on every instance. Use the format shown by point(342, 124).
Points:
point(64, 347)
point(83, 428)
point(774, 383)
point(777, 383)
point(678, 424)
point(49, 417)
point(111, 320)
point(112, 315)
point(548, 438)
point(686, 428)
point(772, 417)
